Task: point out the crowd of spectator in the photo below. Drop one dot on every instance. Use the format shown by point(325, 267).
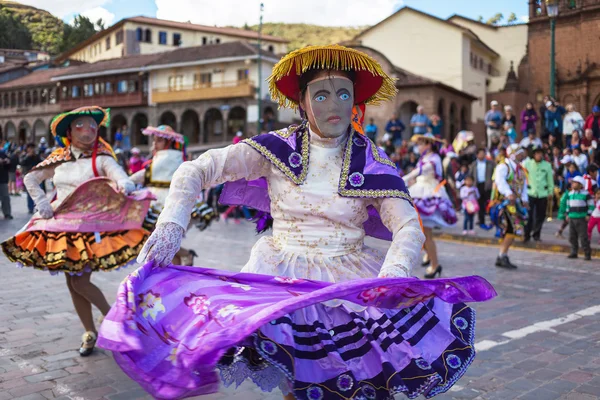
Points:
point(561, 145)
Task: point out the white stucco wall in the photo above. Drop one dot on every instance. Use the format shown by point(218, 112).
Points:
point(189, 38)
point(421, 45)
point(474, 79)
point(508, 41)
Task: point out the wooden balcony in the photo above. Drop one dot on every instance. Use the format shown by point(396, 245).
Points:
point(111, 100)
point(223, 90)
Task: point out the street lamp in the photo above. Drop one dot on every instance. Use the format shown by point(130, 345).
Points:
point(552, 8)
point(259, 89)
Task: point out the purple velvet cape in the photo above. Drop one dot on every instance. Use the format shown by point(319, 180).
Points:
point(366, 172)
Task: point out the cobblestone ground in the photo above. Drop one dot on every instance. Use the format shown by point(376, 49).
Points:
point(540, 339)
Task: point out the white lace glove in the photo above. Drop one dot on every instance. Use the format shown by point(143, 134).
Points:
point(162, 245)
point(125, 186)
point(45, 209)
point(393, 271)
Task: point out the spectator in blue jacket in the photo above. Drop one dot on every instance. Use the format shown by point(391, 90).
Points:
point(395, 127)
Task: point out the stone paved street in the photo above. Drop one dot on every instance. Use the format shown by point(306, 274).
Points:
point(540, 339)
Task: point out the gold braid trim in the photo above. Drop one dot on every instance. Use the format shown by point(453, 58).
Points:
point(298, 180)
point(333, 57)
point(370, 193)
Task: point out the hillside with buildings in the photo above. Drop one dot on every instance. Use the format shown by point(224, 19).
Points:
point(301, 35)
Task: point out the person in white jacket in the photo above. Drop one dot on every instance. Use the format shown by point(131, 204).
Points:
point(510, 183)
point(572, 121)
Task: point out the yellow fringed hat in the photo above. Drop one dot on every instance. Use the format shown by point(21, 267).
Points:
point(371, 85)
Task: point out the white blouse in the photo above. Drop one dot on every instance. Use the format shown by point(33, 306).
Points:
point(69, 175)
point(317, 234)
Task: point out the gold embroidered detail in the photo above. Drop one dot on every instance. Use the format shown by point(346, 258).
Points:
point(298, 180)
point(287, 132)
point(380, 159)
point(372, 193)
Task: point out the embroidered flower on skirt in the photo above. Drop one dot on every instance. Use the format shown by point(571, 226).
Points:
point(461, 323)
point(285, 279)
point(453, 361)
point(151, 304)
point(372, 294)
point(314, 393)
point(345, 382)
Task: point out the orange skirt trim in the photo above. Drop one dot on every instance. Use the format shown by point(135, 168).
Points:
point(75, 251)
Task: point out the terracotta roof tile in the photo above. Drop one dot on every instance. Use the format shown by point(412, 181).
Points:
point(10, 65)
point(224, 50)
point(36, 78)
point(136, 61)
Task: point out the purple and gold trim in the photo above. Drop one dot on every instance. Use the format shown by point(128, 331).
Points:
point(368, 173)
point(287, 149)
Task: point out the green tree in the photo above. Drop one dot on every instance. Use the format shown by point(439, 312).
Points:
point(81, 29)
point(13, 34)
point(480, 18)
point(495, 20)
point(512, 18)
point(100, 25)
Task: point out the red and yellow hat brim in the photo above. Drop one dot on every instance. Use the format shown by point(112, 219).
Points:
point(371, 86)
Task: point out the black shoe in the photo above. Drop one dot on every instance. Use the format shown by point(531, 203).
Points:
point(426, 263)
point(88, 342)
point(8, 217)
point(526, 240)
point(588, 257)
point(438, 271)
point(572, 255)
point(537, 239)
point(504, 262)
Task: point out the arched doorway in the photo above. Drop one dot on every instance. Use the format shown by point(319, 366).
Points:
point(407, 110)
point(138, 123)
point(24, 132)
point(237, 121)
point(441, 112)
point(40, 130)
point(116, 124)
point(11, 131)
point(168, 118)
point(190, 126)
point(213, 126)
point(453, 123)
point(464, 118)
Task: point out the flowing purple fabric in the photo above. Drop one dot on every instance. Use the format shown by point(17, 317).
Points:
point(432, 205)
point(172, 327)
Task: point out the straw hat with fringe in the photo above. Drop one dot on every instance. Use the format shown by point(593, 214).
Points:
point(427, 136)
point(371, 85)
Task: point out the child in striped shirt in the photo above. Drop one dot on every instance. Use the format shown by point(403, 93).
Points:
point(579, 209)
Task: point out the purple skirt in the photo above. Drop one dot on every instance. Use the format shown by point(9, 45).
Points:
point(173, 329)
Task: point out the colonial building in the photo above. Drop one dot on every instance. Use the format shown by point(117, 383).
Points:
point(206, 92)
point(451, 104)
point(577, 58)
point(144, 35)
point(27, 105)
point(449, 51)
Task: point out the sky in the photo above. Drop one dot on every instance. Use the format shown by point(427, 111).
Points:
point(239, 12)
